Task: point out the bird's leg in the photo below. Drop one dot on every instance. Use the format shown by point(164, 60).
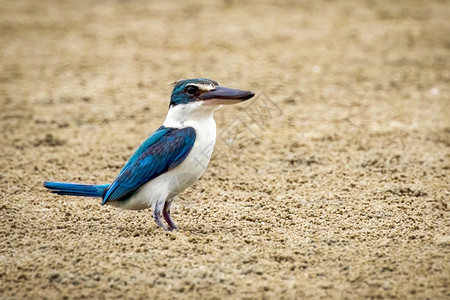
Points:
point(157, 214)
point(166, 214)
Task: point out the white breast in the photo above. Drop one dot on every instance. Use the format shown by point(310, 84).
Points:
point(171, 183)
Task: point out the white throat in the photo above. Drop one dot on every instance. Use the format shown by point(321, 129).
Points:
point(191, 114)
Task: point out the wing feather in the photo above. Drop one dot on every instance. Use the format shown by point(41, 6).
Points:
point(162, 151)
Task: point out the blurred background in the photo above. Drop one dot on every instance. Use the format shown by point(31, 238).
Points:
point(332, 182)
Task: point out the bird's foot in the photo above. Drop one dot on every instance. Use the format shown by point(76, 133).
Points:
point(158, 221)
point(164, 211)
point(166, 215)
point(172, 225)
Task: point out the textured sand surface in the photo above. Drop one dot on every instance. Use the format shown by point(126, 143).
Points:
point(332, 183)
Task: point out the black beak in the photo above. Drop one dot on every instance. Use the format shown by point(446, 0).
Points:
point(222, 95)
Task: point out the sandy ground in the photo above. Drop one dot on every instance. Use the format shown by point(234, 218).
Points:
point(332, 183)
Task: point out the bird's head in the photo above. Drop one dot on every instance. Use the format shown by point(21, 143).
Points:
point(205, 92)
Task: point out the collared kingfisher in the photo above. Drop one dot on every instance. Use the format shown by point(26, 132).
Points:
point(173, 158)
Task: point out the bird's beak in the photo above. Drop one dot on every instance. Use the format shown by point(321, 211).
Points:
point(222, 95)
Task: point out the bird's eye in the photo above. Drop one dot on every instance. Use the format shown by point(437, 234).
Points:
point(191, 90)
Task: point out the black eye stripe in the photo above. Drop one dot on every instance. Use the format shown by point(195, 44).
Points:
point(191, 90)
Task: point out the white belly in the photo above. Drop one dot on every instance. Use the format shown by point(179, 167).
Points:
point(173, 182)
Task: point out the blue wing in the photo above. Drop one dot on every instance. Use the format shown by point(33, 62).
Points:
point(162, 151)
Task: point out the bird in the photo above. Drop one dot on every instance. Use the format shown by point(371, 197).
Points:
point(173, 158)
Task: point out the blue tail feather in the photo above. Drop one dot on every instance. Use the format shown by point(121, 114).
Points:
point(75, 189)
